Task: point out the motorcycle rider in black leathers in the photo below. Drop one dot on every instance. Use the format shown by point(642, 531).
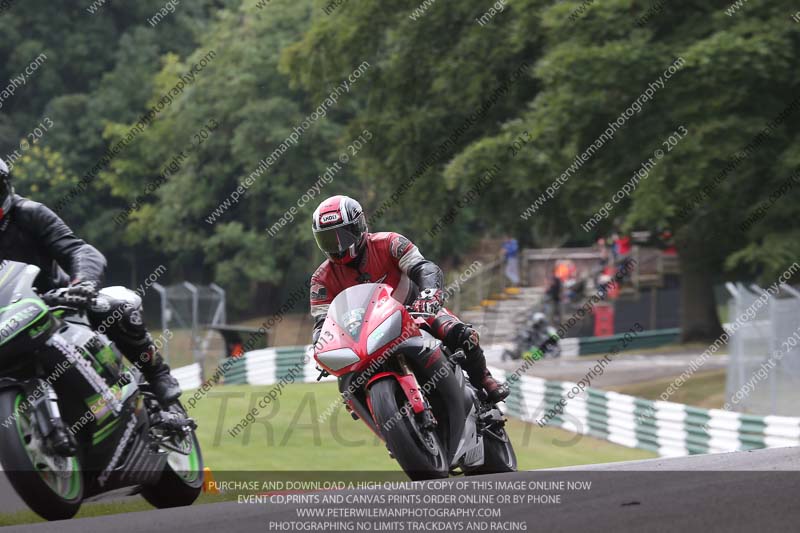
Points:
point(33, 234)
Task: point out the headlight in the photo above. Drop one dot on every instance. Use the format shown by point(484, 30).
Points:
point(388, 331)
point(338, 359)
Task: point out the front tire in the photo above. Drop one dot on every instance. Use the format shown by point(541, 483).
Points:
point(51, 485)
point(419, 451)
point(182, 481)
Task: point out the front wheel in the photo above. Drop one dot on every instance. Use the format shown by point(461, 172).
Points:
point(418, 450)
point(50, 484)
point(182, 480)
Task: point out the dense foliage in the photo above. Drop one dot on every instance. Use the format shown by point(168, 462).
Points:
point(523, 87)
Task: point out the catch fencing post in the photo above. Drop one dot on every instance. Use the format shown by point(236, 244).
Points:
point(195, 301)
point(162, 293)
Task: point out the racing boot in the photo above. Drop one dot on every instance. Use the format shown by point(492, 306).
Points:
point(481, 378)
point(164, 386)
point(495, 390)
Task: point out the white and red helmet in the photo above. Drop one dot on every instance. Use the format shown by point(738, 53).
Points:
point(340, 228)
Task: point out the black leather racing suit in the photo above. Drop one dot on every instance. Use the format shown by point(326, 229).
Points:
point(33, 234)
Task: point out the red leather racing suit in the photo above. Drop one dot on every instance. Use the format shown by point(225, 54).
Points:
point(392, 259)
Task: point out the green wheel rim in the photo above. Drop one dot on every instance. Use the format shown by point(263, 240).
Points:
point(61, 474)
point(187, 467)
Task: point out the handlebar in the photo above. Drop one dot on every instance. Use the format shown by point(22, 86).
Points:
point(415, 314)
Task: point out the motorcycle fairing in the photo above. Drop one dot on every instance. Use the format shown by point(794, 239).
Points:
point(357, 403)
point(354, 316)
point(19, 316)
point(102, 409)
point(470, 447)
point(132, 461)
point(25, 313)
point(17, 281)
point(409, 385)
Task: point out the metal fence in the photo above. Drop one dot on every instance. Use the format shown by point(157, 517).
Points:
point(764, 369)
point(190, 312)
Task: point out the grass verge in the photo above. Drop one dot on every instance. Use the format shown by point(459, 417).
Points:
point(293, 434)
point(703, 389)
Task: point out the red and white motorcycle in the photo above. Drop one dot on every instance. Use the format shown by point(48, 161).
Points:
point(409, 389)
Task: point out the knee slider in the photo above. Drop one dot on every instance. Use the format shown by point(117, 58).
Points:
point(443, 328)
point(129, 321)
point(470, 338)
point(462, 335)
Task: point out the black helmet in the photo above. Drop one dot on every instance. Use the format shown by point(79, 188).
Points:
point(6, 190)
point(340, 228)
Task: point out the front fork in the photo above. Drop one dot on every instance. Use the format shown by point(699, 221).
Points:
point(44, 402)
point(412, 391)
point(415, 395)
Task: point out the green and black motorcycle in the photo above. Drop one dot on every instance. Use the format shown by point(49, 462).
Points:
point(57, 372)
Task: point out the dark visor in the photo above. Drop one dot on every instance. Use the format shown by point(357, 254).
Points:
point(336, 241)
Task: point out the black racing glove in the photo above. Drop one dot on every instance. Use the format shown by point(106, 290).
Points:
point(82, 292)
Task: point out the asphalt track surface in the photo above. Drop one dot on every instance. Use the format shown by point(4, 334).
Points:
point(743, 491)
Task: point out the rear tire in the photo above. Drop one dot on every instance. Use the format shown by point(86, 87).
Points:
point(182, 481)
point(498, 454)
point(403, 435)
point(52, 486)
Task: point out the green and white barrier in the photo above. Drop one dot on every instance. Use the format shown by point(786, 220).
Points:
point(189, 377)
point(670, 429)
point(271, 365)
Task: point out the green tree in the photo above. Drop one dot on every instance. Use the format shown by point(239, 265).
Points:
point(255, 110)
point(738, 74)
point(428, 78)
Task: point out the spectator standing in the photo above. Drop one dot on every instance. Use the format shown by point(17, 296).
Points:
point(511, 252)
point(623, 246)
point(554, 299)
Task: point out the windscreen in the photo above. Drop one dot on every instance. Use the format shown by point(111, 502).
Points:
point(16, 279)
point(19, 305)
point(349, 307)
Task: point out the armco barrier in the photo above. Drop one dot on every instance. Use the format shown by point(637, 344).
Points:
point(573, 346)
point(643, 339)
point(669, 429)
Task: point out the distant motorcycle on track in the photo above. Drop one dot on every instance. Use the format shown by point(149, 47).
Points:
point(537, 339)
point(56, 372)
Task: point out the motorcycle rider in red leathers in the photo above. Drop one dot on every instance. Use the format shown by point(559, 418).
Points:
point(357, 256)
